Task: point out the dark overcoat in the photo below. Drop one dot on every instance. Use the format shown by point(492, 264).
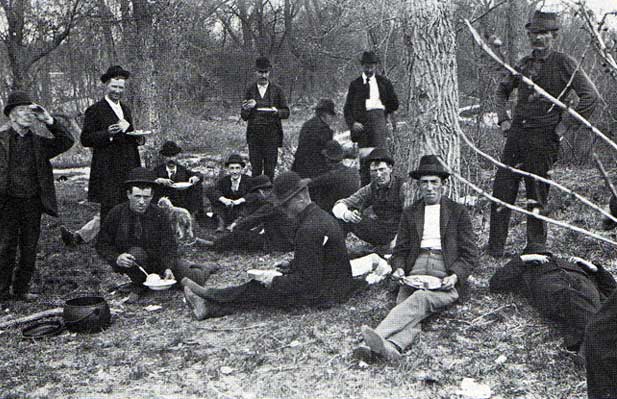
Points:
point(44, 149)
point(113, 156)
point(308, 160)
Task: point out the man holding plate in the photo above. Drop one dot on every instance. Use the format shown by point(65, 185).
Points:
point(435, 240)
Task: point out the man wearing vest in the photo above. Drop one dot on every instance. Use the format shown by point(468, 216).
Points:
point(384, 196)
point(435, 239)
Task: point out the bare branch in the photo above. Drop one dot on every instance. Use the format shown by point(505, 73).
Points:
point(607, 180)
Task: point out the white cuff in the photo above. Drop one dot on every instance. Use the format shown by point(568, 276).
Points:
point(339, 210)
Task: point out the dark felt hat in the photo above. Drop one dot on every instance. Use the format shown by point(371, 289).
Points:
point(286, 186)
point(429, 165)
point(333, 151)
point(536, 248)
point(369, 57)
point(326, 105)
point(15, 99)
point(262, 64)
point(115, 71)
point(380, 155)
point(542, 22)
point(235, 158)
point(169, 149)
point(261, 181)
point(140, 175)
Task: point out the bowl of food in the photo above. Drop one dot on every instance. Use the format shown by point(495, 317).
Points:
point(156, 283)
point(181, 185)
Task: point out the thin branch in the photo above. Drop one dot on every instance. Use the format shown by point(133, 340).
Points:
point(578, 66)
point(484, 14)
point(607, 180)
point(234, 328)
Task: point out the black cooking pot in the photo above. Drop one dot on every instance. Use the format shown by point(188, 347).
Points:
point(86, 314)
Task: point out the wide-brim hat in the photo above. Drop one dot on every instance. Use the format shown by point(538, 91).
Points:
point(235, 158)
point(543, 22)
point(16, 99)
point(326, 105)
point(169, 149)
point(429, 166)
point(115, 71)
point(259, 182)
point(140, 175)
point(333, 151)
point(263, 64)
point(286, 186)
point(369, 57)
point(379, 155)
point(536, 248)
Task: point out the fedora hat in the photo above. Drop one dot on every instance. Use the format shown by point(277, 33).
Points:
point(379, 155)
point(326, 105)
point(115, 71)
point(429, 165)
point(333, 151)
point(369, 57)
point(235, 158)
point(536, 248)
point(169, 149)
point(263, 64)
point(286, 186)
point(261, 181)
point(16, 99)
point(542, 22)
point(140, 175)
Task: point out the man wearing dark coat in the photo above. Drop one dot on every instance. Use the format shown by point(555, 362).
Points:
point(263, 107)
point(601, 351)
point(370, 100)
point(26, 189)
point(170, 171)
point(319, 274)
point(338, 182)
point(435, 239)
point(315, 133)
point(568, 292)
point(535, 131)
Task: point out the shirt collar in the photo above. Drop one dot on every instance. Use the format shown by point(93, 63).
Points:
point(111, 103)
point(264, 86)
point(540, 54)
point(366, 79)
point(173, 170)
point(236, 179)
point(387, 186)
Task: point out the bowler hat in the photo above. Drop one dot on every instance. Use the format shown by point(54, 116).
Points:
point(140, 175)
point(369, 57)
point(115, 71)
point(429, 166)
point(169, 149)
point(261, 181)
point(15, 99)
point(542, 22)
point(262, 64)
point(286, 186)
point(235, 158)
point(379, 155)
point(536, 248)
point(326, 105)
point(333, 151)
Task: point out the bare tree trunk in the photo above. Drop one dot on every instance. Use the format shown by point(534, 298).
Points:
point(433, 106)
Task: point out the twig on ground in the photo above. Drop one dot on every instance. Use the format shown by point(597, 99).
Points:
point(490, 313)
point(233, 328)
point(607, 180)
point(32, 317)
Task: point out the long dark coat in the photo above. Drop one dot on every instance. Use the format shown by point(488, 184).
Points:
point(112, 159)
point(308, 160)
point(274, 97)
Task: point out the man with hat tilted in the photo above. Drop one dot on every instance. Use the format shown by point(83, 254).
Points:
point(136, 233)
point(384, 196)
point(537, 126)
point(319, 274)
point(26, 189)
point(315, 133)
point(435, 242)
point(170, 171)
point(263, 107)
point(370, 100)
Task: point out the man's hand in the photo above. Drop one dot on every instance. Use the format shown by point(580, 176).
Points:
point(226, 201)
point(168, 275)
point(283, 266)
point(126, 260)
point(505, 126)
point(353, 216)
point(357, 127)
point(561, 129)
point(449, 282)
point(114, 129)
point(194, 179)
point(164, 182)
point(534, 258)
point(239, 201)
point(42, 114)
point(249, 104)
point(590, 266)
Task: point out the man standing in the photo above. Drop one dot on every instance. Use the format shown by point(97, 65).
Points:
point(263, 107)
point(26, 189)
point(537, 127)
point(435, 239)
point(374, 211)
point(319, 274)
point(370, 99)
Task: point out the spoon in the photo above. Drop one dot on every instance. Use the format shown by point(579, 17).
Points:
point(142, 269)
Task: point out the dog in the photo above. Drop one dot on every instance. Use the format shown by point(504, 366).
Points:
point(180, 219)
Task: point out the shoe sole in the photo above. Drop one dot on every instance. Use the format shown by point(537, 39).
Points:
point(190, 297)
point(378, 344)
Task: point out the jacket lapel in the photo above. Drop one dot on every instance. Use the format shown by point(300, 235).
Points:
point(444, 218)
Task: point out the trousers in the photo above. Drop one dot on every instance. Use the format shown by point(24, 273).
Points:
point(263, 142)
point(375, 131)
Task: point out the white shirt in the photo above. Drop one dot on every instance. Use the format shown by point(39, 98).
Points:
point(116, 108)
point(431, 237)
point(235, 184)
point(374, 100)
point(171, 171)
point(263, 89)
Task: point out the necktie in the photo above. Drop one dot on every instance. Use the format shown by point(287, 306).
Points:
point(137, 228)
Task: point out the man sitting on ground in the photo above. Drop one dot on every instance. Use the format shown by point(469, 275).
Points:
point(384, 195)
point(435, 239)
point(137, 233)
point(319, 274)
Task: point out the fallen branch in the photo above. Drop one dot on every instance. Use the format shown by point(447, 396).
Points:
point(33, 317)
point(607, 180)
point(233, 328)
point(489, 313)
